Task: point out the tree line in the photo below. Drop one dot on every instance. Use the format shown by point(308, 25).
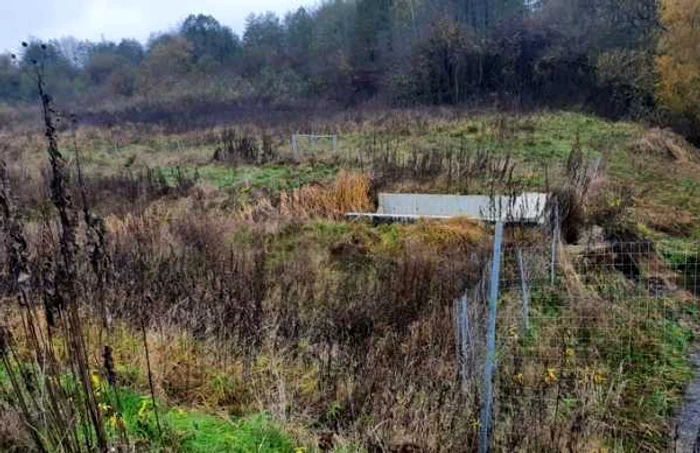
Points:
point(619, 57)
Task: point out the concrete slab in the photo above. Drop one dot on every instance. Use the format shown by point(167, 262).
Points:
point(524, 208)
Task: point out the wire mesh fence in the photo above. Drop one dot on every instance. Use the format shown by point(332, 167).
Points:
point(589, 339)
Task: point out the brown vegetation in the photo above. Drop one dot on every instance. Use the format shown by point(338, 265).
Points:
point(348, 193)
point(666, 144)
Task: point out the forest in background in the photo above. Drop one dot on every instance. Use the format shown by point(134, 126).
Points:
point(618, 58)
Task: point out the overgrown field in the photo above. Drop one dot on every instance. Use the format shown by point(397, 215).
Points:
point(203, 291)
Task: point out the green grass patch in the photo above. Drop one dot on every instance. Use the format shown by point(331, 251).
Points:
point(181, 430)
point(537, 138)
point(188, 430)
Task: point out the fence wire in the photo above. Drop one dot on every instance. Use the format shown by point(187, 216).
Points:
point(577, 332)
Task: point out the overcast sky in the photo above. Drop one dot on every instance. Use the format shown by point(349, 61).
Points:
point(116, 19)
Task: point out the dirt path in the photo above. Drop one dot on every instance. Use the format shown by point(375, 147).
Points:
point(688, 418)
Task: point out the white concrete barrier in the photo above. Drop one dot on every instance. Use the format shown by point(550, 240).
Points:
point(524, 208)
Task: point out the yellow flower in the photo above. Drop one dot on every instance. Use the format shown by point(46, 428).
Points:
point(95, 379)
point(513, 332)
point(570, 352)
point(145, 406)
point(300, 450)
point(599, 377)
point(104, 407)
point(550, 376)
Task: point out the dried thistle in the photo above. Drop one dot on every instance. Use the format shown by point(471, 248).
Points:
point(53, 302)
point(108, 365)
point(5, 337)
point(66, 269)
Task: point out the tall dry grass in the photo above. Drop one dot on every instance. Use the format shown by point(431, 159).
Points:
point(350, 192)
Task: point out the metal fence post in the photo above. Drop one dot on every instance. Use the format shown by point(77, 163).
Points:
point(456, 314)
point(487, 402)
point(555, 243)
point(294, 146)
point(526, 293)
point(463, 335)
